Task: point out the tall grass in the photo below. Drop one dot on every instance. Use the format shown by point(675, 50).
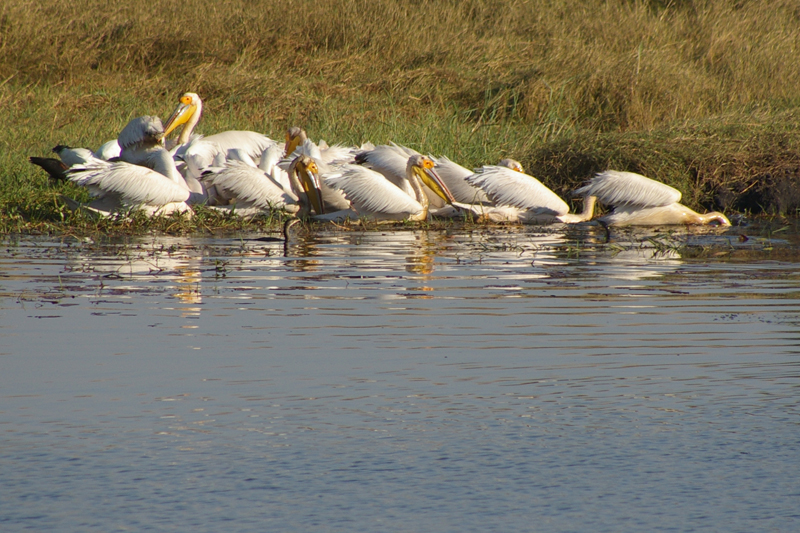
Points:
point(620, 81)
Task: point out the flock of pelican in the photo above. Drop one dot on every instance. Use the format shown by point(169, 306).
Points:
point(247, 173)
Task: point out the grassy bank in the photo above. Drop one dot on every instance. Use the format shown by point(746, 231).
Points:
point(702, 95)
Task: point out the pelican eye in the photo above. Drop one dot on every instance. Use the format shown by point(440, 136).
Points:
point(427, 163)
point(312, 167)
point(186, 100)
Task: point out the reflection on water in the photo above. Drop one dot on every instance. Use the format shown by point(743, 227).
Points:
point(512, 378)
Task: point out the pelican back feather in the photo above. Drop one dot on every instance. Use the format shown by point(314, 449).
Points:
point(509, 187)
point(628, 189)
point(133, 184)
point(454, 176)
point(370, 193)
point(248, 185)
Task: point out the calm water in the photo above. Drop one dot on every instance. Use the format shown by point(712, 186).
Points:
point(512, 379)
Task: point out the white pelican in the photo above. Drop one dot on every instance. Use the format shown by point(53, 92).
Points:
point(188, 114)
point(123, 186)
point(141, 143)
point(251, 191)
point(641, 201)
point(373, 195)
point(329, 162)
point(247, 188)
point(244, 175)
point(519, 197)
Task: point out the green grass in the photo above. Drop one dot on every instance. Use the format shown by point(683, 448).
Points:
point(702, 95)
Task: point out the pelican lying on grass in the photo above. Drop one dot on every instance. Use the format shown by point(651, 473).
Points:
point(372, 195)
point(121, 186)
point(640, 201)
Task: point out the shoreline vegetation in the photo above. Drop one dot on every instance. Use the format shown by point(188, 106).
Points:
point(701, 95)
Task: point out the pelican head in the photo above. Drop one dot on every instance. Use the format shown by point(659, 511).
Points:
point(190, 105)
point(422, 167)
point(512, 164)
point(306, 171)
point(145, 130)
point(295, 136)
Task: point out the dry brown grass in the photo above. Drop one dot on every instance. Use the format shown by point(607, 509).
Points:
point(562, 64)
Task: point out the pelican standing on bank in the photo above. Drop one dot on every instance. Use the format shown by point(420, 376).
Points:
point(640, 201)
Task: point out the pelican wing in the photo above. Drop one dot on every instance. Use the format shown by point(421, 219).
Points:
point(454, 176)
point(132, 183)
point(389, 160)
point(241, 155)
point(337, 154)
point(509, 187)
point(270, 158)
point(252, 142)
point(269, 163)
point(248, 184)
point(616, 188)
point(371, 193)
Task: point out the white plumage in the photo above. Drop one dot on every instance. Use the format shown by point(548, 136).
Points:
point(616, 188)
point(188, 113)
point(509, 187)
point(373, 196)
point(122, 186)
point(638, 200)
point(249, 186)
point(390, 160)
point(519, 197)
point(455, 177)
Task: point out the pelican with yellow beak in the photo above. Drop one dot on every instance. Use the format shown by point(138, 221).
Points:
point(188, 113)
point(372, 195)
point(252, 191)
